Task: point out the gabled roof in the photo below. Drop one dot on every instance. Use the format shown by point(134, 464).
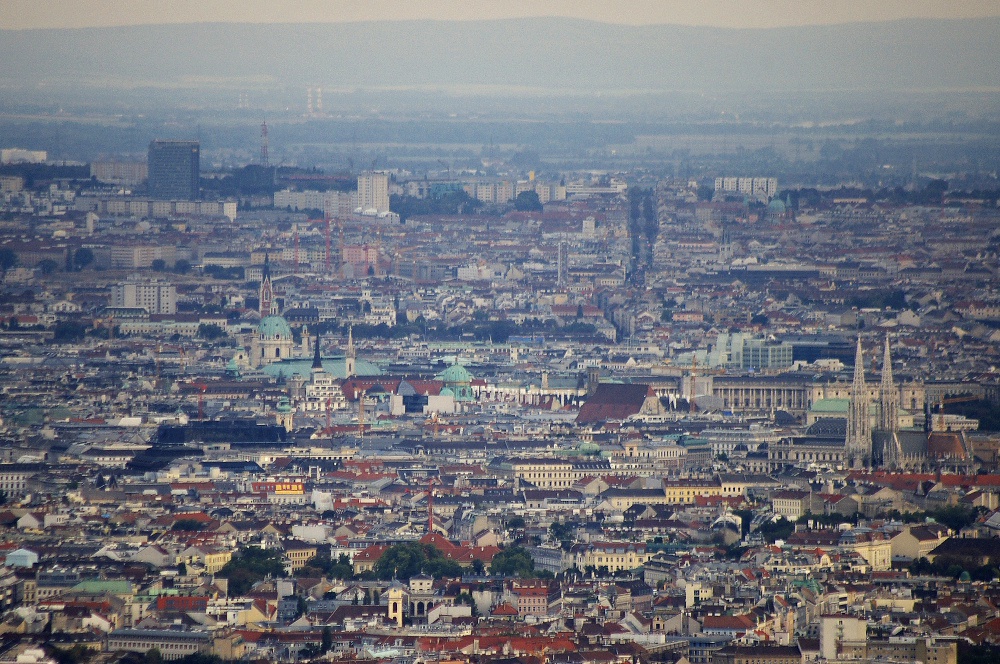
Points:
point(613, 401)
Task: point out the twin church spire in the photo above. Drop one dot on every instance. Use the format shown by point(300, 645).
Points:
point(858, 445)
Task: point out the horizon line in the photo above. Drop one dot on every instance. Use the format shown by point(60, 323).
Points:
point(160, 24)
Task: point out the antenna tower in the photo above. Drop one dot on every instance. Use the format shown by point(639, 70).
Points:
point(264, 159)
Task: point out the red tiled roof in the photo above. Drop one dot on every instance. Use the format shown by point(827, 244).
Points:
point(613, 401)
point(504, 609)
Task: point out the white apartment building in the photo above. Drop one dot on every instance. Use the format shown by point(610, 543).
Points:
point(22, 156)
point(762, 188)
point(156, 297)
point(332, 203)
point(373, 192)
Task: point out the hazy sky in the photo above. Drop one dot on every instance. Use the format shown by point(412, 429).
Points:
point(724, 13)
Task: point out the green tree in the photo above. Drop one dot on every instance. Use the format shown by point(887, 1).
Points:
point(82, 258)
point(75, 655)
point(210, 331)
point(562, 531)
point(159, 264)
point(68, 332)
point(466, 598)
point(775, 530)
point(955, 517)
point(409, 559)
point(200, 658)
point(8, 259)
point(981, 654)
point(326, 641)
point(192, 525)
point(249, 566)
point(528, 201)
point(322, 565)
point(48, 266)
point(513, 561)
point(182, 266)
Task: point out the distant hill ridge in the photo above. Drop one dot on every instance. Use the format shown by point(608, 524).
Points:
point(536, 53)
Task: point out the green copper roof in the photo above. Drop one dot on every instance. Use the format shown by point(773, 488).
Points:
point(97, 586)
point(456, 373)
point(274, 326)
point(830, 406)
point(332, 365)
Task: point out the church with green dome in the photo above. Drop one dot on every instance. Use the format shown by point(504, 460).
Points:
point(273, 342)
point(457, 383)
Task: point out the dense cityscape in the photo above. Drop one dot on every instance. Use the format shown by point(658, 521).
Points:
point(308, 397)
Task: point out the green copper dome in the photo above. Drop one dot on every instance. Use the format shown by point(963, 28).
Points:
point(274, 327)
point(456, 373)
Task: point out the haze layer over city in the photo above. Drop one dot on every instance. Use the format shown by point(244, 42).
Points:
point(486, 333)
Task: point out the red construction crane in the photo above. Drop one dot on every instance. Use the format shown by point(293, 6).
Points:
point(941, 403)
point(201, 399)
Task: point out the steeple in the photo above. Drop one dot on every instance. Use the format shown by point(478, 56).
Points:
point(888, 395)
point(888, 413)
point(858, 445)
point(317, 362)
point(268, 307)
point(350, 354)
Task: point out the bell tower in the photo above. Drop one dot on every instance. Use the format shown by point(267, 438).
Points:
point(858, 446)
point(268, 306)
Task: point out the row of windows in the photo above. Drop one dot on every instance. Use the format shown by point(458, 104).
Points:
point(146, 645)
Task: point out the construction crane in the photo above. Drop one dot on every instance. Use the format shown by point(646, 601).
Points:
point(694, 382)
point(156, 385)
point(430, 505)
point(202, 387)
point(940, 426)
point(361, 415)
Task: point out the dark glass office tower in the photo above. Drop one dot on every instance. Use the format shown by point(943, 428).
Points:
point(174, 170)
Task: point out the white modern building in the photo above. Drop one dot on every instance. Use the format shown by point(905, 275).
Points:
point(373, 193)
point(156, 297)
point(761, 188)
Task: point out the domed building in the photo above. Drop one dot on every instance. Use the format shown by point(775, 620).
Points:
point(777, 210)
point(273, 342)
point(457, 383)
